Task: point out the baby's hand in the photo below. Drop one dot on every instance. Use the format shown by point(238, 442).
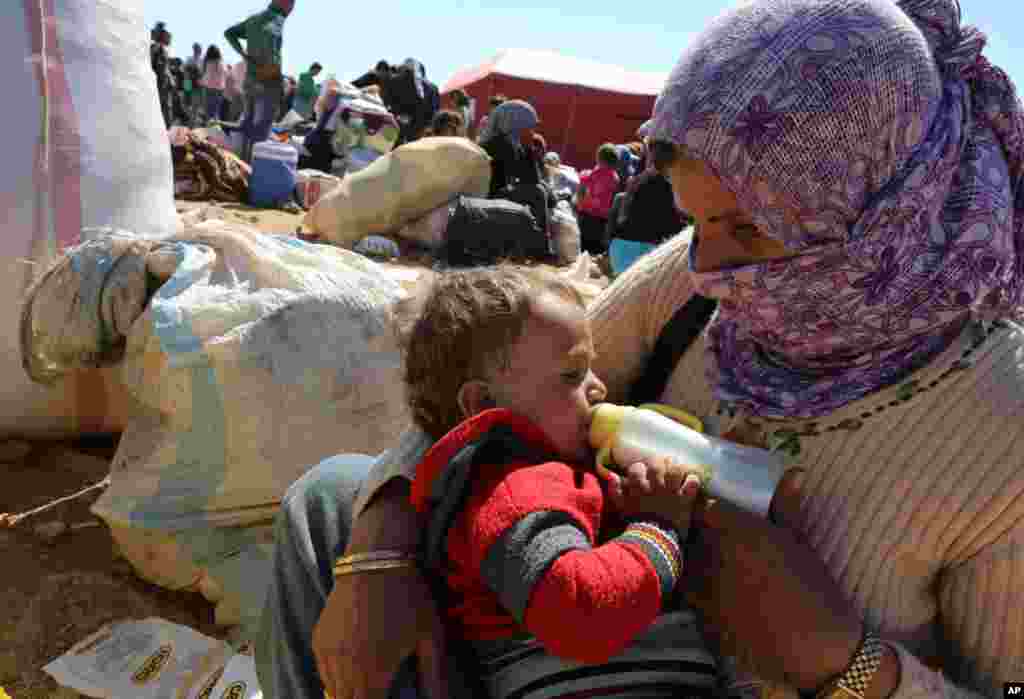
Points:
point(663, 489)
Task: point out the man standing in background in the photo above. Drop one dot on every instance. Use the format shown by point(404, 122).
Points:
point(262, 33)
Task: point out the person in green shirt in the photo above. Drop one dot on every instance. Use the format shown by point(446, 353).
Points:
point(262, 34)
point(307, 91)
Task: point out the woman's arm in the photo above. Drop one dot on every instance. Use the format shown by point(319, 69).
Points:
point(374, 620)
point(981, 613)
point(768, 599)
point(738, 561)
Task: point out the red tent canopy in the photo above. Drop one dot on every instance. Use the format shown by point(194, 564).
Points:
point(581, 103)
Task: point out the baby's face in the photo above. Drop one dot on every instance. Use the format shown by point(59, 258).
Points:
point(549, 379)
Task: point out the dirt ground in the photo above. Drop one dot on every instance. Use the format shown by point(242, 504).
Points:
point(55, 592)
point(267, 220)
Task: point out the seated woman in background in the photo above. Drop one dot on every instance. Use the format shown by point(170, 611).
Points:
point(508, 139)
point(649, 213)
point(515, 163)
point(642, 217)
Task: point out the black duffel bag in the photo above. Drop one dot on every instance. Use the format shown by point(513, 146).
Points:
point(484, 231)
point(536, 196)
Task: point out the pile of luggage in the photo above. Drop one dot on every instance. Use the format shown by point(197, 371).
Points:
point(432, 193)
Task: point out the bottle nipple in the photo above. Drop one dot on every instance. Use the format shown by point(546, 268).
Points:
point(604, 424)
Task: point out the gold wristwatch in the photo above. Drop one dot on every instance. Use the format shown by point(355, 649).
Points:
point(853, 683)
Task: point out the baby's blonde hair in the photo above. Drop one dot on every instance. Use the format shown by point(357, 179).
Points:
point(464, 327)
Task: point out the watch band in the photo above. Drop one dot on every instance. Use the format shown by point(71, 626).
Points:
point(857, 678)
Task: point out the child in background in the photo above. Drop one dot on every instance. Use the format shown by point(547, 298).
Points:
point(234, 92)
point(594, 200)
point(214, 81)
point(544, 568)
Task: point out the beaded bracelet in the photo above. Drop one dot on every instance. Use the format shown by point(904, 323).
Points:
point(662, 540)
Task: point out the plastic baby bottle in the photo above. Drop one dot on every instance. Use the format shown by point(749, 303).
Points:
point(745, 476)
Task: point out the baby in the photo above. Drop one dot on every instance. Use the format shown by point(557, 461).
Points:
point(561, 585)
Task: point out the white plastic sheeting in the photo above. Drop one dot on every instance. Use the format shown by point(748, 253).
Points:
point(258, 357)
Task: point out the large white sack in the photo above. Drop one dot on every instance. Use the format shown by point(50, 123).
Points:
point(257, 358)
point(86, 146)
point(399, 187)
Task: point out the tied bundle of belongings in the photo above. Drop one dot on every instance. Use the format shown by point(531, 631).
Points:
point(400, 187)
point(247, 359)
point(205, 171)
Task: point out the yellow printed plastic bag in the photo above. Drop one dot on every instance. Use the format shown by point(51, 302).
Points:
point(142, 660)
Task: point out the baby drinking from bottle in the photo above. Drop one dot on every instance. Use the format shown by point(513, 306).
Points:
point(557, 582)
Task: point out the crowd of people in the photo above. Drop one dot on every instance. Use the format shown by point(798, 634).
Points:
point(206, 87)
point(203, 88)
point(601, 198)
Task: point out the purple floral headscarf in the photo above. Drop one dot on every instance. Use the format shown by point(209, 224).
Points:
point(872, 138)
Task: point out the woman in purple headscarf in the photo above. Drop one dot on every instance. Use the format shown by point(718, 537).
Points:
point(854, 168)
